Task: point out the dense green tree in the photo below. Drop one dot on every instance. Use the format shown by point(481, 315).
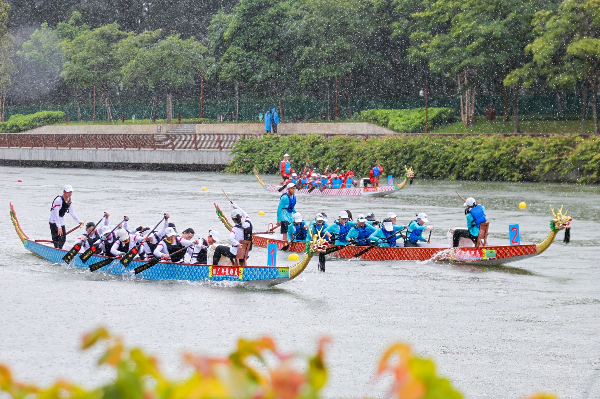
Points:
point(7, 65)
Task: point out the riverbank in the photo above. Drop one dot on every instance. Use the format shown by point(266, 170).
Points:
point(560, 158)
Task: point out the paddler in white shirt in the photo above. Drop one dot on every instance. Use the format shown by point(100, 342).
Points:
point(124, 243)
point(170, 248)
point(61, 205)
point(92, 234)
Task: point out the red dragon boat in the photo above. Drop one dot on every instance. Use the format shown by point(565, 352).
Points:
point(352, 191)
point(482, 255)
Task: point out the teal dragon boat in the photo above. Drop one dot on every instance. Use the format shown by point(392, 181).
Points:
point(255, 275)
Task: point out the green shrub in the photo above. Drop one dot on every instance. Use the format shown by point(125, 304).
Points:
point(19, 123)
point(481, 157)
point(407, 120)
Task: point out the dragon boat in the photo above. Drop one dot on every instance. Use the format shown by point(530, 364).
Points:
point(483, 255)
point(352, 191)
point(255, 275)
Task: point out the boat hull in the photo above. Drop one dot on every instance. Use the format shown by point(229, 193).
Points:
point(489, 255)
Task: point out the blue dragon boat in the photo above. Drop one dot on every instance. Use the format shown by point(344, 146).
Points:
point(256, 275)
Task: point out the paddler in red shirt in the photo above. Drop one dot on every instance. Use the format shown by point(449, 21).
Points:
point(286, 168)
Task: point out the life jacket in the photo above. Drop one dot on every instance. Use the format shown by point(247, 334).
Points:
point(152, 247)
point(336, 183)
point(292, 203)
point(344, 230)
point(92, 238)
point(247, 231)
point(292, 180)
point(301, 232)
point(349, 182)
point(172, 248)
point(323, 180)
point(363, 234)
point(108, 243)
point(64, 208)
point(415, 235)
point(286, 166)
point(318, 228)
point(478, 215)
point(390, 237)
point(304, 180)
point(201, 256)
point(376, 171)
point(123, 247)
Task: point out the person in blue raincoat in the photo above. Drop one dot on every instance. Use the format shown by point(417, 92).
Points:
point(361, 231)
point(388, 234)
point(268, 120)
point(286, 209)
point(298, 231)
point(475, 216)
point(274, 120)
point(341, 228)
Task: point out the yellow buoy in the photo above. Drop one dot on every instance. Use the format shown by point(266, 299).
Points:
point(522, 205)
point(261, 213)
point(204, 188)
point(293, 257)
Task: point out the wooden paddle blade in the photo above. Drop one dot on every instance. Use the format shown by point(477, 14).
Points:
point(147, 266)
point(101, 264)
point(88, 253)
point(311, 190)
point(72, 252)
point(281, 189)
point(126, 260)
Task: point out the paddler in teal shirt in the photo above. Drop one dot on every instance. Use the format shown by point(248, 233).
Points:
point(415, 230)
point(388, 234)
point(286, 209)
point(341, 228)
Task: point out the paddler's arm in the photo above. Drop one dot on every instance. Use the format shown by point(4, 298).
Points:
point(376, 237)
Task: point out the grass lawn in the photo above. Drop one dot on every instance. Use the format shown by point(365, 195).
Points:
point(533, 127)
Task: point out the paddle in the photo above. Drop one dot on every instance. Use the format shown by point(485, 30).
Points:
point(94, 247)
point(373, 245)
point(73, 251)
point(155, 260)
point(101, 264)
point(271, 229)
point(227, 196)
point(128, 257)
point(461, 197)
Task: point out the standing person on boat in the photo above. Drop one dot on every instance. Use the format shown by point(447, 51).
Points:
point(286, 209)
point(415, 230)
point(241, 233)
point(375, 173)
point(170, 244)
point(268, 121)
point(298, 231)
point(91, 234)
point(340, 228)
point(475, 214)
point(286, 168)
point(388, 234)
point(199, 253)
point(361, 231)
point(62, 204)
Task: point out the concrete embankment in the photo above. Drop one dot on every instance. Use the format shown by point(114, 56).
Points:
point(157, 147)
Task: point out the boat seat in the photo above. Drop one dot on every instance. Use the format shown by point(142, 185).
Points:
point(242, 253)
point(483, 234)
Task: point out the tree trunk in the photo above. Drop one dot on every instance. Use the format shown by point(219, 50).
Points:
point(237, 101)
point(467, 99)
point(108, 113)
point(505, 109)
point(337, 96)
point(561, 109)
point(94, 114)
point(594, 98)
point(154, 106)
point(584, 102)
point(169, 108)
point(348, 113)
point(516, 108)
point(462, 105)
point(201, 94)
point(280, 101)
point(2, 114)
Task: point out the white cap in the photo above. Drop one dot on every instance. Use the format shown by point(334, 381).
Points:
point(214, 234)
point(235, 213)
point(470, 201)
point(391, 215)
point(104, 230)
point(297, 217)
point(423, 217)
point(389, 226)
point(361, 218)
point(169, 232)
point(286, 155)
point(319, 217)
point(343, 215)
point(67, 188)
point(291, 185)
point(294, 174)
point(123, 234)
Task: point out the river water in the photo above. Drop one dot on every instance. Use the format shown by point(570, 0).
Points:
point(503, 332)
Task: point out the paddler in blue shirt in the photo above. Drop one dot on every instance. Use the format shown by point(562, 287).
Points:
point(360, 233)
point(388, 234)
point(415, 231)
point(341, 228)
point(475, 216)
point(286, 209)
point(298, 231)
